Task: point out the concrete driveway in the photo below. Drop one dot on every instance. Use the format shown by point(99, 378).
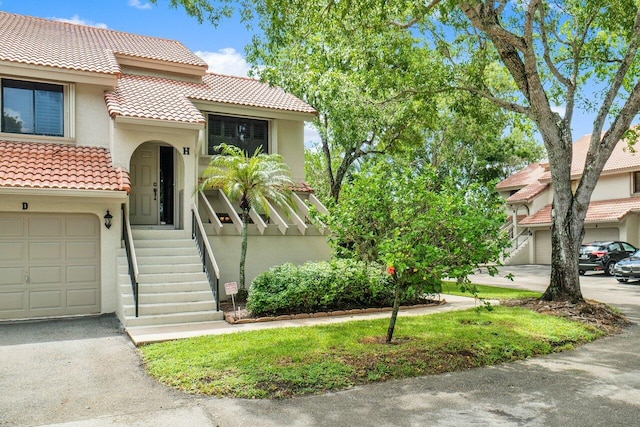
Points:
point(86, 373)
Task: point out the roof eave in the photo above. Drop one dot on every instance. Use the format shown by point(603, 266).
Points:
point(158, 65)
point(142, 121)
point(63, 192)
point(60, 74)
point(251, 110)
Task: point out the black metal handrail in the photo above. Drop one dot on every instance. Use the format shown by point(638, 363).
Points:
point(127, 236)
point(209, 264)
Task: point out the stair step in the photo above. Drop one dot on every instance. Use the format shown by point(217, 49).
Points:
point(143, 234)
point(178, 251)
point(163, 243)
point(172, 319)
point(170, 308)
point(163, 268)
point(163, 259)
point(169, 297)
point(143, 288)
point(172, 277)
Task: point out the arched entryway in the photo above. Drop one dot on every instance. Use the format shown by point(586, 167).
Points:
point(154, 169)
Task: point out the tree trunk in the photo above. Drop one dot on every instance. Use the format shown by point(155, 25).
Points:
point(394, 313)
point(243, 247)
point(567, 216)
point(565, 247)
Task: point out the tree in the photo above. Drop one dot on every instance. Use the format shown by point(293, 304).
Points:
point(376, 94)
point(568, 54)
point(254, 181)
point(424, 229)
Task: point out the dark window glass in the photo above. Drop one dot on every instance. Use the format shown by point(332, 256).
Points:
point(32, 108)
point(636, 182)
point(247, 134)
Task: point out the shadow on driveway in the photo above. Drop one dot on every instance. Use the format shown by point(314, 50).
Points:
point(42, 331)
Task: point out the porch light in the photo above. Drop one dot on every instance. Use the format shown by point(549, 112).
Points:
point(107, 220)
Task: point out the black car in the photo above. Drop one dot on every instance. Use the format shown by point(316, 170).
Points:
point(628, 268)
point(603, 256)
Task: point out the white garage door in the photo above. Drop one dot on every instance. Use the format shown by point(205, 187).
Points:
point(595, 234)
point(543, 241)
point(49, 265)
point(543, 247)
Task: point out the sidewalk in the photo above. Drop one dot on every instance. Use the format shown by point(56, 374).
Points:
point(149, 334)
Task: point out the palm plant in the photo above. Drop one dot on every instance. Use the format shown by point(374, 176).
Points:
point(254, 181)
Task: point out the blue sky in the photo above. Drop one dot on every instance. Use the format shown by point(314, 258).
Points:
point(222, 47)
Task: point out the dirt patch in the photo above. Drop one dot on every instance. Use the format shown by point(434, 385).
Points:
point(591, 313)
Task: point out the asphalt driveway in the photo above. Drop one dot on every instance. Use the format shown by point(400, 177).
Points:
point(86, 372)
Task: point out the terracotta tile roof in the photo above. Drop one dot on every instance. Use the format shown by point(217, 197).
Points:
point(153, 98)
point(621, 159)
point(39, 165)
point(248, 92)
point(600, 211)
point(527, 193)
point(164, 99)
point(36, 41)
point(522, 178)
point(302, 187)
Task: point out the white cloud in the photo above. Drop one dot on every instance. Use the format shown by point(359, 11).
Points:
point(138, 5)
point(560, 109)
point(225, 61)
point(75, 19)
point(311, 135)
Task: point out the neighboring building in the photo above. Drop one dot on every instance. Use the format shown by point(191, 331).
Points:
point(99, 123)
point(613, 214)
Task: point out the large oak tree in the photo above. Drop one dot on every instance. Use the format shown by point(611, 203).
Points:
point(572, 54)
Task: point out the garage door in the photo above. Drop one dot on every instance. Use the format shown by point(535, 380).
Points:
point(594, 234)
point(543, 241)
point(543, 247)
point(49, 265)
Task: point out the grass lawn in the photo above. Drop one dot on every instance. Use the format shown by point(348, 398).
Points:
point(490, 292)
point(278, 363)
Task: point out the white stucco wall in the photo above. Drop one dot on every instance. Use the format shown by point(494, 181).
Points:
point(127, 138)
point(612, 187)
point(264, 252)
point(91, 117)
point(291, 146)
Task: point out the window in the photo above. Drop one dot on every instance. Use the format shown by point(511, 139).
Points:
point(636, 182)
point(248, 134)
point(32, 108)
point(627, 247)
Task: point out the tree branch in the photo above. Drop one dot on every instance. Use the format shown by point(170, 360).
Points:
point(511, 106)
point(413, 21)
point(547, 56)
point(612, 93)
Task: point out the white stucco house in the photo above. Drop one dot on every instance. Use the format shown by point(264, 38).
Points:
point(613, 214)
point(102, 140)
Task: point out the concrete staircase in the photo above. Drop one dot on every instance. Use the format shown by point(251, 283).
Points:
point(173, 289)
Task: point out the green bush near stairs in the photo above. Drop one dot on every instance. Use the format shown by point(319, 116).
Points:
point(339, 284)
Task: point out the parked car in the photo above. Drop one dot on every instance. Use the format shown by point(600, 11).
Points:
point(603, 256)
point(628, 268)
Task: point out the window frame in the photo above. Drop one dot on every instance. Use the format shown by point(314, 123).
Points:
point(231, 118)
point(635, 182)
point(68, 108)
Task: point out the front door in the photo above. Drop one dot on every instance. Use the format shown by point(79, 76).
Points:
point(152, 184)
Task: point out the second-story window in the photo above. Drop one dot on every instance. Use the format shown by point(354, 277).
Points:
point(248, 134)
point(636, 182)
point(32, 108)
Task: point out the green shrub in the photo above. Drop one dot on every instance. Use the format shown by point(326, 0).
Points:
point(322, 286)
